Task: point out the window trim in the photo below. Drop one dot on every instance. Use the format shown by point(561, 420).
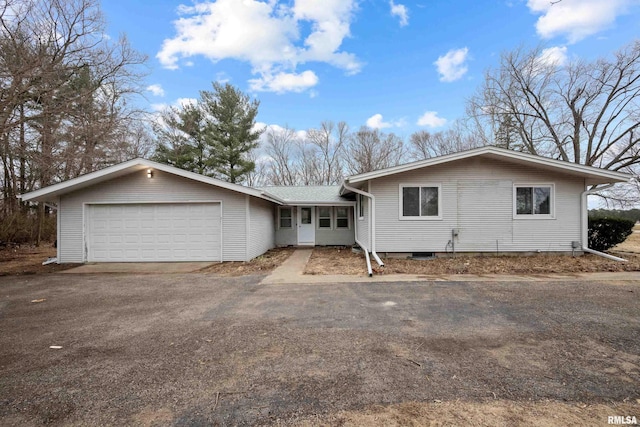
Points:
point(280, 209)
point(331, 216)
point(335, 209)
point(534, 216)
point(419, 185)
point(360, 207)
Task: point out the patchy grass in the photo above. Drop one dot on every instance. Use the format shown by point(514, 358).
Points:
point(632, 244)
point(265, 263)
point(28, 259)
point(344, 261)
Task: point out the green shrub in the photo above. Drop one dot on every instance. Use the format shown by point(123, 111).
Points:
point(605, 233)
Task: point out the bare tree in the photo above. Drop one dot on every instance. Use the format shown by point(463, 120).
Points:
point(424, 145)
point(282, 145)
point(369, 150)
point(582, 112)
point(63, 93)
point(325, 147)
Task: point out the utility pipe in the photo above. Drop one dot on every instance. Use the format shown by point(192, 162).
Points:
point(585, 224)
point(372, 221)
point(364, 248)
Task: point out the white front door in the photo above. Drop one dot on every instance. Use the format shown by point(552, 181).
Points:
point(306, 226)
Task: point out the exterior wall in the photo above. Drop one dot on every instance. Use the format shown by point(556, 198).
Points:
point(335, 236)
point(363, 224)
point(324, 237)
point(286, 236)
point(261, 227)
point(137, 188)
point(477, 199)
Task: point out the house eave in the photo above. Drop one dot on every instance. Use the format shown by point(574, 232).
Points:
point(53, 191)
point(591, 174)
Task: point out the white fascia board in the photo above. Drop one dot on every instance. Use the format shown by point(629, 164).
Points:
point(139, 164)
point(500, 152)
point(71, 184)
point(316, 203)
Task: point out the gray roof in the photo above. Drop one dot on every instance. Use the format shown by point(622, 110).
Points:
point(312, 194)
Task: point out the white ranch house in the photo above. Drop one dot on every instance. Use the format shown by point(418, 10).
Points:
point(482, 200)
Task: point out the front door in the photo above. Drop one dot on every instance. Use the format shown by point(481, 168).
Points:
point(306, 226)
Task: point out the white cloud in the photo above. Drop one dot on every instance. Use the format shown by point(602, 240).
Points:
point(576, 19)
point(178, 103)
point(554, 56)
point(376, 122)
point(401, 11)
point(431, 119)
point(267, 35)
point(284, 82)
point(156, 90)
point(451, 66)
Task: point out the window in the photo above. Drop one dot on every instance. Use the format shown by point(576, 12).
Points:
point(533, 200)
point(360, 206)
point(420, 201)
point(342, 217)
point(324, 217)
point(286, 217)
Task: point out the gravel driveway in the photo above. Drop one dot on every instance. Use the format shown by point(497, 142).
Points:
point(194, 349)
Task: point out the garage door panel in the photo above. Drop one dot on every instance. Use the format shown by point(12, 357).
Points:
point(154, 232)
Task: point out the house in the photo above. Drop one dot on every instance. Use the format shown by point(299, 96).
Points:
point(481, 200)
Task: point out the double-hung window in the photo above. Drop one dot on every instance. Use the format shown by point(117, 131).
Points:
point(342, 217)
point(420, 201)
point(286, 217)
point(324, 217)
point(533, 201)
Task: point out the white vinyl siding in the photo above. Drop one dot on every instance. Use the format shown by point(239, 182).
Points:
point(476, 198)
point(336, 236)
point(287, 236)
point(137, 188)
point(261, 227)
point(363, 222)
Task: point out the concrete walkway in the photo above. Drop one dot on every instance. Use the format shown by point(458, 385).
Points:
point(291, 271)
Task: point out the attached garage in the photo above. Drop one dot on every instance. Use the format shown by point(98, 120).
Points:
point(153, 232)
point(143, 211)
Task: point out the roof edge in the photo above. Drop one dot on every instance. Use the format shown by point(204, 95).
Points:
point(92, 176)
point(560, 164)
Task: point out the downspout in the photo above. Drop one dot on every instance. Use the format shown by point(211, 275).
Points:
point(585, 224)
point(364, 248)
point(372, 222)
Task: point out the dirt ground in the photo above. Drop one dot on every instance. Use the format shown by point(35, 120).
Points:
point(27, 259)
point(260, 265)
point(198, 349)
point(344, 261)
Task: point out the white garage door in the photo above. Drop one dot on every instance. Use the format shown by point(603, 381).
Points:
point(153, 232)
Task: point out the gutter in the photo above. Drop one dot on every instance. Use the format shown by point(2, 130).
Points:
point(363, 247)
point(585, 224)
point(372, 223)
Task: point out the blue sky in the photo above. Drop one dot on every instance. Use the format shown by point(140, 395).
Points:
point(400, 66)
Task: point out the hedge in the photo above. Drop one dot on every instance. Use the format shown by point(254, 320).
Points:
point(605, 233)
